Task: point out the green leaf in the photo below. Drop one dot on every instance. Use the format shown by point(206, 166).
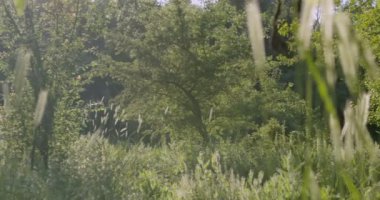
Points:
point(355, 194)
point(20, 6)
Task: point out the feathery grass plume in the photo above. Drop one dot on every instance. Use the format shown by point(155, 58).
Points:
point(210, 114)
point(40, 108)
point(327, 23)
point(354, 132)
point(20, 6)
point(140, 120)
point(370, 61)
point(314, 187)
point(5, 87)
point(166, 110)
point(364, 140)
point(23, 63)
point(348, 132)
point(306, 24)
point(256, 33)
point(310, 188)
point(335, 133)
point(363, 109)
point(348, 51)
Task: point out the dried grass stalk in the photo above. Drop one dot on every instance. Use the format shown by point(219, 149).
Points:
point(348, 51)
point(23, 64)
point(306, 24)
point(327, 26)
point(335, 133)
point(256, 33)
point(354, 133)
point(40, 108)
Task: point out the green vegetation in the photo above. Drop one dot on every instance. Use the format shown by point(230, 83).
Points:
point(112, 99)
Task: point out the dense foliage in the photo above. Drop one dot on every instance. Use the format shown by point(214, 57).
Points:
point(126, 99)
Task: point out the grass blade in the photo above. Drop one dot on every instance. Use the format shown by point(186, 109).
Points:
point(40, 108)
point(256, 33)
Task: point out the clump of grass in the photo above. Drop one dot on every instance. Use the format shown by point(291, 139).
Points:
point(354, 137)
point(265, 165)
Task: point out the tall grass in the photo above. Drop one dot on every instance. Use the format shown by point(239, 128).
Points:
point(256, 33)
point(333, 23)
point(354, 137)
point(268, 164)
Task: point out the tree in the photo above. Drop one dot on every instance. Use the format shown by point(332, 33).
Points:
point(179, 64)
point(172, 63)
point(49, 32)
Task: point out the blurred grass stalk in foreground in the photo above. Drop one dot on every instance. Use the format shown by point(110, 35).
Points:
point(355, 135)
